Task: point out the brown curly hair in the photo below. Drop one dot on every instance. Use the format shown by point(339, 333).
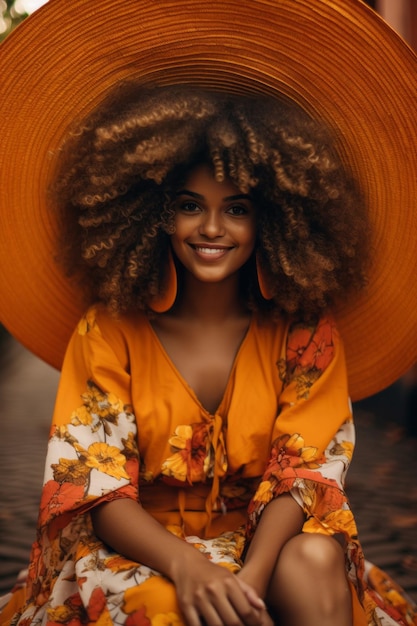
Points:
point(120, 169)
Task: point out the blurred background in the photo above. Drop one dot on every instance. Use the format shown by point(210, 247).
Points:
point(382, 481)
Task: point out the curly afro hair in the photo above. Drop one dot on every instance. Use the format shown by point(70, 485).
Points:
point(120, 169)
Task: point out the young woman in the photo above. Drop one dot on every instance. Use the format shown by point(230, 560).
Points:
point(203, 417)
point(203, 428)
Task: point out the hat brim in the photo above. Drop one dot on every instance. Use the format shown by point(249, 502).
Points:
point(337, 59)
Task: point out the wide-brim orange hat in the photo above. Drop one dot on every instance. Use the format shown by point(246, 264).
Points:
point(335, 58)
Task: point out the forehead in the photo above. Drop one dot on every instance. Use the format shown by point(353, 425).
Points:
point(201, 180)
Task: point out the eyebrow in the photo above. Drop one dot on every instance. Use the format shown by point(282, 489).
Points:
point(197, 196)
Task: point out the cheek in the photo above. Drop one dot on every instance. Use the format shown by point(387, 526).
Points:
point(248, 234)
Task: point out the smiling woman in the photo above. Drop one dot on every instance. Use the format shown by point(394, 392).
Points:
point(215, 212)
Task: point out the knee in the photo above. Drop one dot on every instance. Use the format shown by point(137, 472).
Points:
point(311, 566)
point(315, 553)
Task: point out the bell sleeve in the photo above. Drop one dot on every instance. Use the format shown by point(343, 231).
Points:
point(92, 454)
point(92, 451)
point(313, 438)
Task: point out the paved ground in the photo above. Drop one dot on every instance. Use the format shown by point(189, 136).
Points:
point(382, 481)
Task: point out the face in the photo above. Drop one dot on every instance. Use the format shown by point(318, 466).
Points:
point(215, 226)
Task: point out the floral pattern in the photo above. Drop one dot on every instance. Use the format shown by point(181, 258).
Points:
point(95, 454)
point(310, 350)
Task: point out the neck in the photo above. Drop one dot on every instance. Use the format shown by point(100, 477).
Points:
point(207, 302)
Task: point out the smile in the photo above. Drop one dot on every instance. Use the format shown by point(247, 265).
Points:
point(205, 250)
point(211, 252)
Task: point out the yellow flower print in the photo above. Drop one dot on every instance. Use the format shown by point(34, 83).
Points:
point(348, 448)
point(111, 401)
point(160, 594)
point(342, 448)
point(176, 467)
point(98, 409)
point(88, 546)
point(264, 492)
point(189, 462)
point(71, 471)
point(308, 454)
point(70, 611)
point(130, 449)
point(81, 417)
point(340, 521)
point(120, 563)
point(231, 544)
point(176, 530)
point(182, 435)
point(88, 322)
point(307, 489)
point(61, 614)
point(105, 405)
point(62, 433)
point(166, 619)
point(106, 459)
point(396, 599)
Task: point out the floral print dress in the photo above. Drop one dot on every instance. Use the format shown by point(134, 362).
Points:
point(127, 425)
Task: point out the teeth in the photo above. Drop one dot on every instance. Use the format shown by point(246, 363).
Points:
point(209, 250)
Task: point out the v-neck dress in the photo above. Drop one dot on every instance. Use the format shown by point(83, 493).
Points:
point(127, 425)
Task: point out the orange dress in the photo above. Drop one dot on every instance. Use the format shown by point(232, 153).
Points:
point(127, 425)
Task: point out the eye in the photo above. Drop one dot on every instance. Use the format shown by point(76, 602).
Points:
point(238, 210)
point(189, 206)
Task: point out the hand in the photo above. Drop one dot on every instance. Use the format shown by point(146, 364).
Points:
point(212, 594)
point(251, 594)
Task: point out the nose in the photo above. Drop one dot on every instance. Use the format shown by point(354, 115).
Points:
point(211, 224)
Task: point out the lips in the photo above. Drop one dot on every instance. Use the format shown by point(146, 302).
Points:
point(210, 252)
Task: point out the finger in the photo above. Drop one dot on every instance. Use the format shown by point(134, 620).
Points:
point(191, 616)
point(211, 615)
point(249, 612)
point(221, 603)
point(266, 619)
point(251, 594)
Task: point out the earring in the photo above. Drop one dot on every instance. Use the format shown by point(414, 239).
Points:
point(166, 298)
point(262, 279)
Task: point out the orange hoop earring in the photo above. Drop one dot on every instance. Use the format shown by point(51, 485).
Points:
point(166, 298)
point(262, 279)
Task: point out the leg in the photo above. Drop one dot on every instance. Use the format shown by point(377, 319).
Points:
point(309, 585)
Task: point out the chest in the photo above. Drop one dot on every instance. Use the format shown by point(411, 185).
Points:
point(174, 385)
point(204, 359)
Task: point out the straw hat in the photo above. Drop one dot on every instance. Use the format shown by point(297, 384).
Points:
point(336, 58)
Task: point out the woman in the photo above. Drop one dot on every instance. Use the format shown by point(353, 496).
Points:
point(202, 428)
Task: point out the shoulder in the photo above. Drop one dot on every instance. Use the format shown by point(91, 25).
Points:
point(312, 343)
point(301, 340)
point(100, 328)
point(97, 319)
point(312, 348)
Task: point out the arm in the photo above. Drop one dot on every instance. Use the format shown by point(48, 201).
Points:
point(117, 523)
point(282, 519)
point(204, 590)
point(93, 470)
point(302, 486)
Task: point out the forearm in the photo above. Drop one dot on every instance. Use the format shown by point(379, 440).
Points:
point(282, 519)
point(202, 588)
point(131, 531)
